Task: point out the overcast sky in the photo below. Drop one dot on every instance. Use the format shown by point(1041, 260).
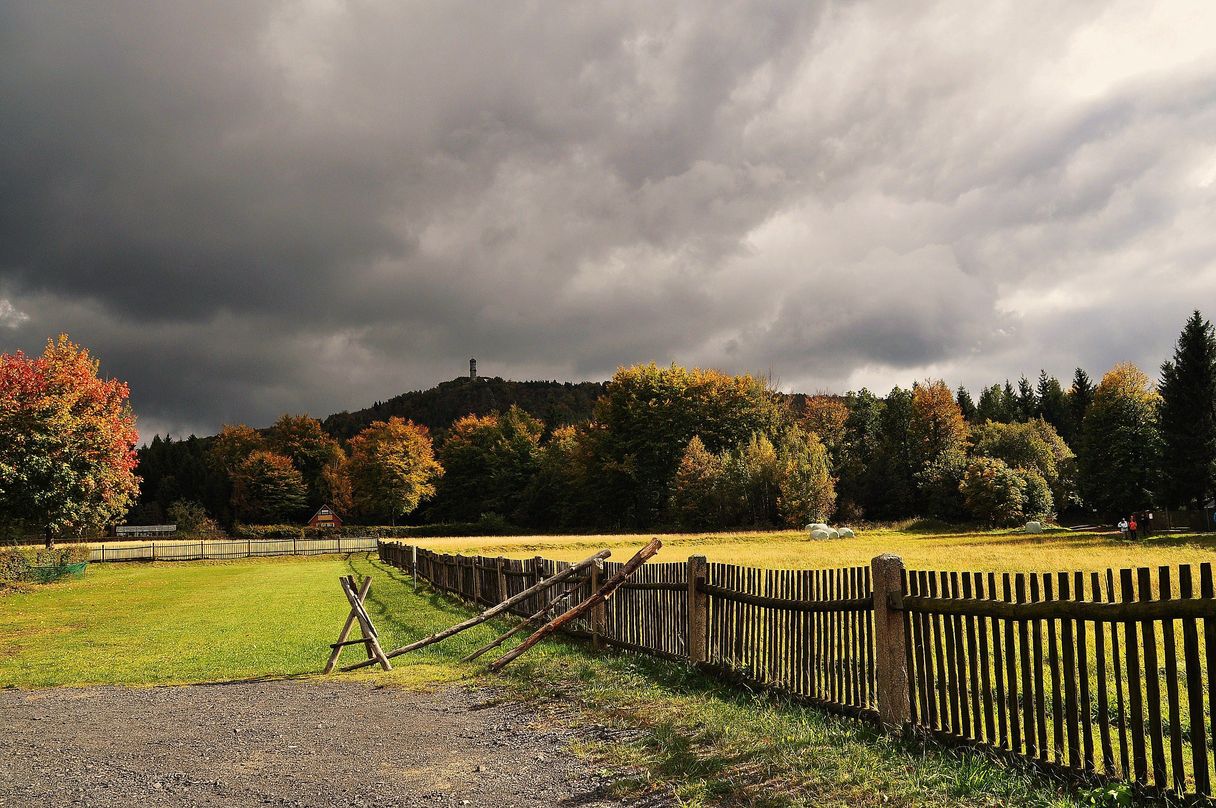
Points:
point(247, 208)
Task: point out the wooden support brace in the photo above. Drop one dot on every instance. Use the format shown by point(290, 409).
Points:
point(601, 595)
point(350, 622)
point(493, 611)
point(553, 604)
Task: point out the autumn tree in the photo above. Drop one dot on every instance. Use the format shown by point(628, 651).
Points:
point(67, 441)
point(697, 497)
point(392, 468)
point(994, 492)
point(1033, 446)
point(648, 415)
point(806, 491)
point(267, 488)
point(232, 446)
point(488, 463)
point(560, 494)
point(1120, 442)
point(935, 425)
point(752, 482)
point(311, 451)
point(334, 486)
point(1188, 416)
point(828, 417)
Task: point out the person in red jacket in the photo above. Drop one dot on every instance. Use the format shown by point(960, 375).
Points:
point(1131, 526)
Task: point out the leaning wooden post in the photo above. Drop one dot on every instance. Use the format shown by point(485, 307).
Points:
point(698, 610)
point(602, 594)
point(890, 658)
point(500, 565)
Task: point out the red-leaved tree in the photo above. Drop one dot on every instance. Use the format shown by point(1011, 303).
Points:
point(67, 442)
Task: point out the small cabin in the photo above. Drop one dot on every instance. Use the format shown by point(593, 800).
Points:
point(325, 518)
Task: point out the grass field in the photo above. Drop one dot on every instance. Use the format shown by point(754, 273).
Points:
point(934, 549)
point(143, 624)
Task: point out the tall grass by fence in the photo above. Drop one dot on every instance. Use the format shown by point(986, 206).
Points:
point(219, 549)
point(1103, 676)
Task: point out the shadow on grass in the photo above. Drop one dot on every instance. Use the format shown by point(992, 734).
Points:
point(249, 680)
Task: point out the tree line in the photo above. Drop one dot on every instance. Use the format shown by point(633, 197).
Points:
point(694, 448)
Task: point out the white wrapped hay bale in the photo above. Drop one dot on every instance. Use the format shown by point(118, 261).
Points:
point(1033, 527)
point(819, 533)
point(846, 533)
point(833, 533)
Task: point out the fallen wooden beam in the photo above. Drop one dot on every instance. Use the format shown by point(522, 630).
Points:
point(493, 611)
point(631, 566)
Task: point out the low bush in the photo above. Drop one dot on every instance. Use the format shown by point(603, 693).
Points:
point(14, 568)
point(18, 568)
point(487, 525)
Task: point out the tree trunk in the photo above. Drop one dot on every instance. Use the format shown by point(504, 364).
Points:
point(50, 538)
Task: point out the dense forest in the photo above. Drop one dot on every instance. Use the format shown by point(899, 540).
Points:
point(555, 403)
point(669, 446)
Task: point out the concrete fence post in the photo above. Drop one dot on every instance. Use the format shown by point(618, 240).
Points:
point(697, 641)
point(890, 658)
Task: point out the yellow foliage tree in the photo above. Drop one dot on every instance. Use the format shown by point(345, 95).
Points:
point(392, 468)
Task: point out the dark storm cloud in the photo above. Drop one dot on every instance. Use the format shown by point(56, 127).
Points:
point(246, 208)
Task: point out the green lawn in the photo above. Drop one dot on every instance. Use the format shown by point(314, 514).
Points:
point(143, 624)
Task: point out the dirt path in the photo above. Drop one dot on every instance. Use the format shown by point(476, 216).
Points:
point(284, 743)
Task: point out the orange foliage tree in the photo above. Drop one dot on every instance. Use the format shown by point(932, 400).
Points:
point(67, 441)
point(936, 426)
point(392, 468)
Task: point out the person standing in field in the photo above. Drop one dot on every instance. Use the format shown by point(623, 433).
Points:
point(1131, 527)
point(1122, 527)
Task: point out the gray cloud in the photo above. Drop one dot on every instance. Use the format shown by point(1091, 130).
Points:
point(246, 208)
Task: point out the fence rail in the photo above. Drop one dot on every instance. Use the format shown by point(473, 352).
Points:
point(217, 549)
point(1104, 676)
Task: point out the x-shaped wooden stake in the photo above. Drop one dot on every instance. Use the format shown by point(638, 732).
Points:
point(370, 641)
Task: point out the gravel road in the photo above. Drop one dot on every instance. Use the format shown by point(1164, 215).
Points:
point(284, 743)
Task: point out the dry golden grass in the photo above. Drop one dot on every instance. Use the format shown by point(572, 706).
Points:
point(998, 551)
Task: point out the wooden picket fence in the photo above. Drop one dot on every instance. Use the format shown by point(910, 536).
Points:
point(223, 549)
point(1099, 676)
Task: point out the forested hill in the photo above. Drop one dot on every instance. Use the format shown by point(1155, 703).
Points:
point(555, 403)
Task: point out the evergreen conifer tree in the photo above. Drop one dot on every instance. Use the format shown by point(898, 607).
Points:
point(1080, 397)
point(1188, 416)
point(1027, 403)
point(965, 404)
